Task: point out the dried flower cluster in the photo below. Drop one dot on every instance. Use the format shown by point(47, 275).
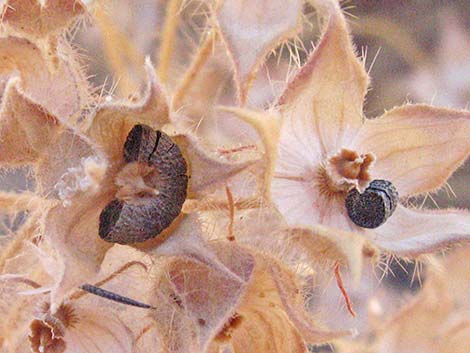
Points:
point(222, 202)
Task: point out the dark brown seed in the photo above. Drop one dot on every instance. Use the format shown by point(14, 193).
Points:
point(127, 222)
point(374, 206)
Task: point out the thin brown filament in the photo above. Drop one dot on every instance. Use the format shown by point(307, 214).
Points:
point(231, 208)
point(78, 295)
point(237, 149)
point(21, 279)
point(144, 331)
point(192, 205)
point(339, 282)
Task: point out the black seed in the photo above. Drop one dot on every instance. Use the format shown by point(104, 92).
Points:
point(125, 222)
point(373, 207)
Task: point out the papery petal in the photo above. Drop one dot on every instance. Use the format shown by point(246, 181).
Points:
point(197, 293)
point(98, 330)
point(330, 244)
point(66, 164)
point(73, 233)
point(112, 121)
point(39, 19)
point(301, 202)
point(25, 129)
point(268, 128)
point(78, 327)
point(294, 303)
point(207, 171)
point(413, 232)
point(71, 226)
point(62, 90)
point(271, 317)
point(187, 241)
point(322, 105)
point(210, 297)
point(251, 29)
point(418, 147)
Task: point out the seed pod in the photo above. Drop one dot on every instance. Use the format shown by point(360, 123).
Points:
point(374, 206)
point(144, 217)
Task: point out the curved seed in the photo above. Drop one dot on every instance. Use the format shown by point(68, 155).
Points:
point(374, 206)
point(127, 222)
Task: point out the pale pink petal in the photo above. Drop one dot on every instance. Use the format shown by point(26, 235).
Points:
point(417, 147)
point(322, 105)
point(412, 232)
point(302, 204)
point(251, 29)
point(98, 330)
point(194, 299)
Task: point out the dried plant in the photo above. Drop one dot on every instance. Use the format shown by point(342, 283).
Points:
point(214, 215)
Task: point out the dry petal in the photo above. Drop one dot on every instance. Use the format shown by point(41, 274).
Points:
point(417, 147)
point(322, 105)
point(112, 121)
point(62, 91)
point(25, 127)
point(412, 232)
point(207, 171)
point(251, 29)
point(78, 328)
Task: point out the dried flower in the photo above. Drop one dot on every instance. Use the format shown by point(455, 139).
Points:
point(319, 147)
point(75, 327)
point(219, 268)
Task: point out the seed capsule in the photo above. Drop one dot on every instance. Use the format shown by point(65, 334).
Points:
point(374, 206)
point(142, 217)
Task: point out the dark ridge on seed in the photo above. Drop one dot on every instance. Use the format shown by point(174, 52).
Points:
point(109, 217)
point(133, 143)
point(159, 134)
